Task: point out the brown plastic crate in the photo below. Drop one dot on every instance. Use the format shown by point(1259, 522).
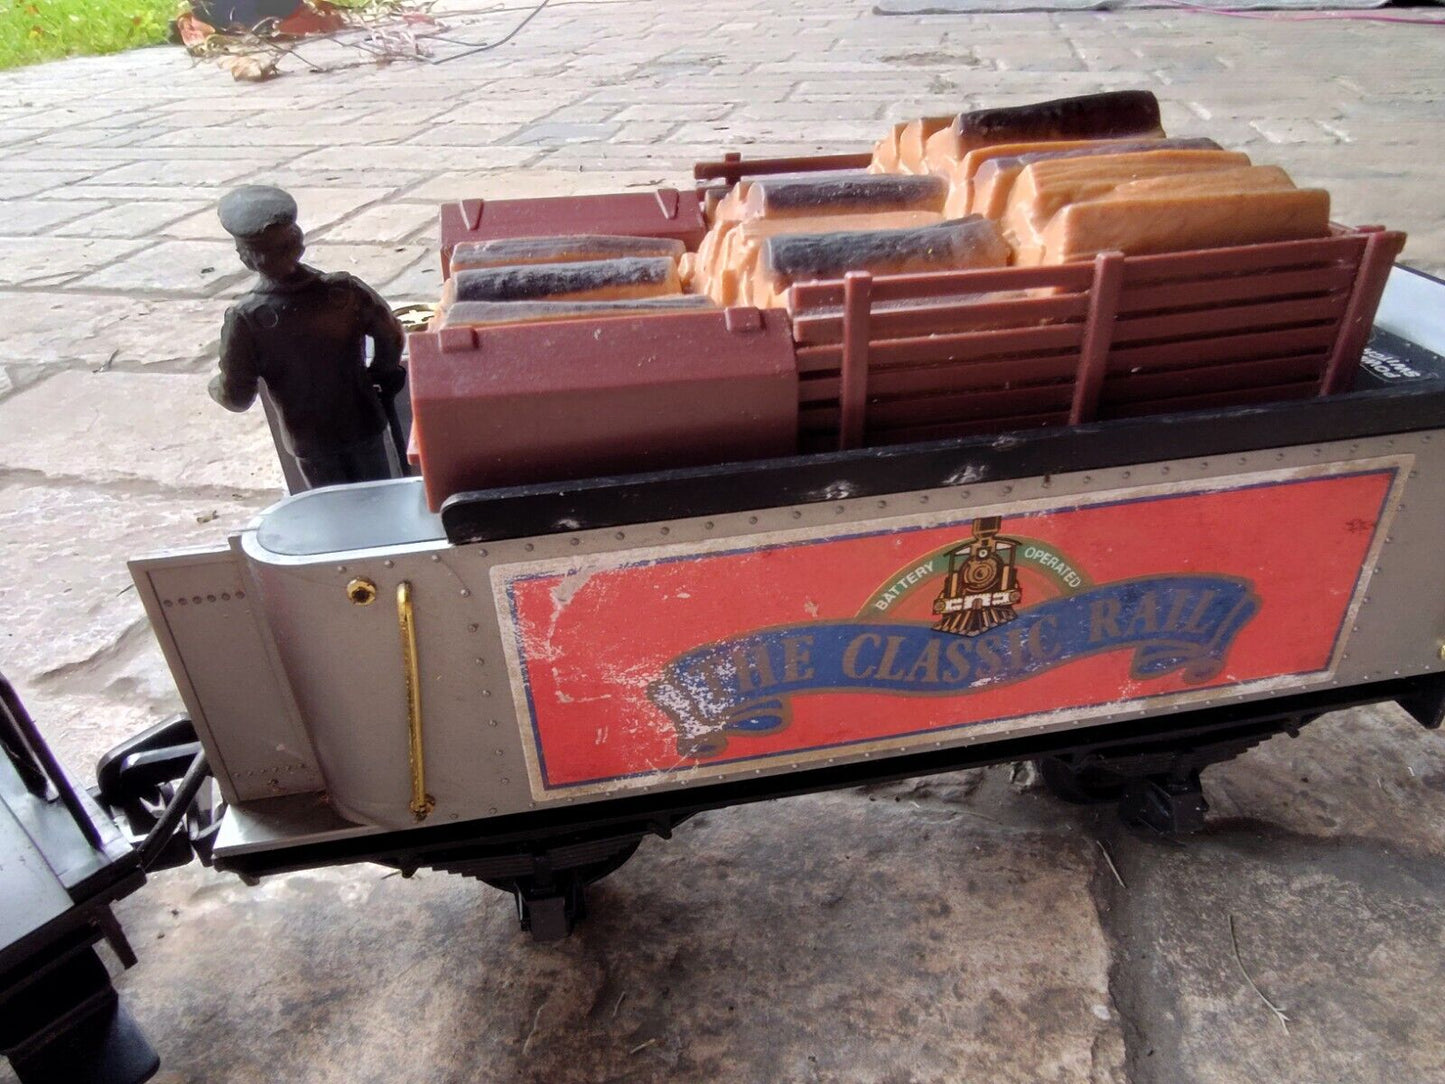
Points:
point(546, 402)
point(912, 357)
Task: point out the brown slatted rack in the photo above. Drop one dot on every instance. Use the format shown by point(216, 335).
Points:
point(891, 359)
point(731, 168)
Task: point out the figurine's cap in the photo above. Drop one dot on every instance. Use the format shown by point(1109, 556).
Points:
point(249, 211)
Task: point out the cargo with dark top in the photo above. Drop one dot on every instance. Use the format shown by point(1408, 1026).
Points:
point(568, 248)
point(490, 313)
point(661, 212)
point(620, 279)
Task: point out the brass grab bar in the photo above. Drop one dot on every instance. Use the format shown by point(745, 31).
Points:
point(422, 803)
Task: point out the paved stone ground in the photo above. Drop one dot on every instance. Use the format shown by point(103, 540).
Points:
point(959, 928)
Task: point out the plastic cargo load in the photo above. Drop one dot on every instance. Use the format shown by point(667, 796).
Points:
point(1113, 114)
point(539, 402)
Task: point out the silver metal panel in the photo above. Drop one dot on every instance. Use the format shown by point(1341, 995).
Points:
point(352, 517)
point(344, 660)
point(1411, 307)
point(344, 664)
point(274, 823)
point(202, 608)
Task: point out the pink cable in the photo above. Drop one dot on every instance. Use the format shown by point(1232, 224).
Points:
point(1290, 17)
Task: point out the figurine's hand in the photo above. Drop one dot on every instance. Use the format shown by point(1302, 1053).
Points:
point(389, 381)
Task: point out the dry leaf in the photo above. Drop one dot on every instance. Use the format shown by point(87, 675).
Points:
point(248, 69)
point(193, 31)
point(313, 17)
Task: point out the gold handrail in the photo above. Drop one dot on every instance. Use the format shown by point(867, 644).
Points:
point(422, 803)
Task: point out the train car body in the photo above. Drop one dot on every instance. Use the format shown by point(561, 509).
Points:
point(524, 685)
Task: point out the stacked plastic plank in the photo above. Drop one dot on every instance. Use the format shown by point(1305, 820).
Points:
point(770, 232)
point(538, 279)
point(1068, 179)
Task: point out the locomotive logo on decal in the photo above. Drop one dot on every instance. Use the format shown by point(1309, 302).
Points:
point(981, 588)
point(744, 685)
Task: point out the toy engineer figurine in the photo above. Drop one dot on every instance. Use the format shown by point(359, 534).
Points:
point(303, 333)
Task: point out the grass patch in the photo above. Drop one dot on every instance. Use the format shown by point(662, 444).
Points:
point(36, 30)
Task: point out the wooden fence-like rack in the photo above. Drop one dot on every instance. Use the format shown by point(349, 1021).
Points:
point(892, 359)
point(900, 358)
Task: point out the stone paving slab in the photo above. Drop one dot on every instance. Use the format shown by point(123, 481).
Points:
point(84, 161)
point(165, 334)
point(171, 268)
point(46, 331)
point(122, 195)
point(448, 156)
point(24, 217)
point(1341, 936)
point(385, 224)
point(200, 172)
point(266, 137)
point(374, 263)
point(393, 181)
point(47, 261)
point(81, 727)
point(132, 218)
point(818, 921)
point(63, 549)
point(119, 149)
point(750, 947)
point(127, 428)
point(421, 282)
point(317, 208)
point(1389, 789)
point(47, 328)
point(533, 183)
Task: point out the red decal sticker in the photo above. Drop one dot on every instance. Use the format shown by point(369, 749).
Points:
point(733, 654)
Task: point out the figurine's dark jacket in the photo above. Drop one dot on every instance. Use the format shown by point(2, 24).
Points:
point(307, 340)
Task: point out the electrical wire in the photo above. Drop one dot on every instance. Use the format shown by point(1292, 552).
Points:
point(501, 41)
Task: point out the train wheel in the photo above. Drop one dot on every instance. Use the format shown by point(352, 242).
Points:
point(1087, 784)
point(550, 902)
point(590, 873)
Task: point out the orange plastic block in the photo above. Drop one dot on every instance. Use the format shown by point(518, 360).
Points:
point(662, 212)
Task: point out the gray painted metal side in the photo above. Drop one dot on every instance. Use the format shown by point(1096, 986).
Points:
point(344, 661)
point(212, 628)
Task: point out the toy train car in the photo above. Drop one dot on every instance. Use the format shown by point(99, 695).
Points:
point(524, 684)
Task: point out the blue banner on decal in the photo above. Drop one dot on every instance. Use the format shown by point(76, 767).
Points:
point(1183, 623)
